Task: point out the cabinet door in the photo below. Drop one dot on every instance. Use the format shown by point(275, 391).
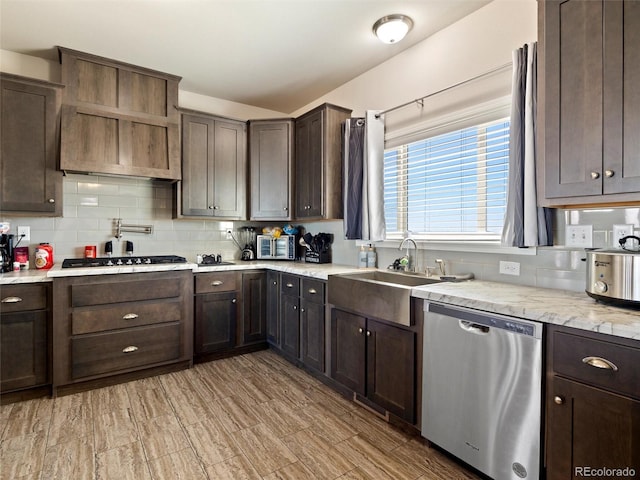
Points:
point(589, 428)
point(254, 292)
point(290, 322)
point(229, 171)
point(215, 322)
point(621, 97)
point(573, 98)
point(271, 157)
point(391, 359)
point(197, 165)
point(23, 348)
point(348, 350)
point(312, 331)
point(309, 158)
point(29, 178)
point(214, 167)
point(273, 308)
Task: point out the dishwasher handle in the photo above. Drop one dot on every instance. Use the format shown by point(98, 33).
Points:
point(473, 327)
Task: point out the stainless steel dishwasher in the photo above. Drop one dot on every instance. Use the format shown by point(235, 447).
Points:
point(482, 388)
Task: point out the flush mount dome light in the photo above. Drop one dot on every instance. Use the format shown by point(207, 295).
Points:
point(392, 28)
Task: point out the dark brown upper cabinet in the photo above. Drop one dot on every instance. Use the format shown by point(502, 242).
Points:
point(271, 150)
point(589, 102)
point(30, 180)
point(118, 118)
point(318, 163)
point(214, 167)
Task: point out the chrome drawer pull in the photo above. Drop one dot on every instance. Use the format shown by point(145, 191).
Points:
point(289, 285)
point(216, 283)
point(11, 300)
point(129, 349)
point(312, 291)
point(130, 316)
point(600, 362)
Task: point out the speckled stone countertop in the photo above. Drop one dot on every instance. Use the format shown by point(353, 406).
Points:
point(321, 271)
point(559, 307)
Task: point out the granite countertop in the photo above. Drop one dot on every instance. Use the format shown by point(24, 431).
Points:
point(558, 307)
point(321, 271)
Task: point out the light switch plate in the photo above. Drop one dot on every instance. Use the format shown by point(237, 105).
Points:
point(620, 231)
point(579, 236)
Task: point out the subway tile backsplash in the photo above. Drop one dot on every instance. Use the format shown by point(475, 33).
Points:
point(93, 203)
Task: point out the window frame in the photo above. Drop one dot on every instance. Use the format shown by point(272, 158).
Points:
point(483, 113)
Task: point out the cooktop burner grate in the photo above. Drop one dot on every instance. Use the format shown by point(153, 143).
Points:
point(121, 261)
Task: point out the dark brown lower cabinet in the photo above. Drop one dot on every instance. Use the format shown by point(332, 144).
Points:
point(376, 360)
point(24, 338)
point(290, 323)
point(589, 428)
point(592, 405)
point(254, 295)
point(312, 337)
point(215, 322)
point(273, 308)
point(23, 345)
point(112, 328)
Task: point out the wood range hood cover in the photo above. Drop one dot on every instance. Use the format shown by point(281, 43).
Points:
point(118, 119)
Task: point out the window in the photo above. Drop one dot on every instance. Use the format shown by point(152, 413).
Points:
point(451, 186)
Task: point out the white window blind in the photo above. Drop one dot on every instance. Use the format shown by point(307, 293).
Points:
point(450, 186)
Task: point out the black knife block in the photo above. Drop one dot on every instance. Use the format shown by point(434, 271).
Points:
point(317, 257)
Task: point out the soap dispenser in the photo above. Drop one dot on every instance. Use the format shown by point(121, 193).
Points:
point(371, 256)
point(362, 257)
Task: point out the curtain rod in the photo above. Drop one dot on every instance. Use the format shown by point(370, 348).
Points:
point(420, 100)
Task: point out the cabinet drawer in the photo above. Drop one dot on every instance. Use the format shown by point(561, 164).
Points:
point(290, 285)
point(114, 351)
point(124, 316)
point(572, 355)
point(216, 282)
point(313, 290)
point(83, 295)
point(20, 298)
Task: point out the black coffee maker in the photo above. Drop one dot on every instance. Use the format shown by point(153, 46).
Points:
point(6, 252)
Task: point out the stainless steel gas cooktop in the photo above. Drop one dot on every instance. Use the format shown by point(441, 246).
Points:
point(121, 261)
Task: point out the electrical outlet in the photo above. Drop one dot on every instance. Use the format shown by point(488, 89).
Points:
point(619, 231)
point(24, 233)
point(229, 235)
point(579, 236)
point(510, 268)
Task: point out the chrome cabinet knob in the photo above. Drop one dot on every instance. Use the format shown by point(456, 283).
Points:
point(295, 307)
point(210, 207)
point(285, 209)
point(234, 300)
point(360, 330)
point(52, 200)
point(609, 173)
point(368, 333)
point(595, 175)
point(558, 400)
point(302, 310)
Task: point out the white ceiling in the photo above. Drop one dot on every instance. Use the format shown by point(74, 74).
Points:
point(275, 54)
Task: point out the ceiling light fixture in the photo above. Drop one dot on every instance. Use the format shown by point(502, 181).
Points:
point(392, 28)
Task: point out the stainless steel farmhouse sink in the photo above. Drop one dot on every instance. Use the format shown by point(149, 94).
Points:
point(376, 293)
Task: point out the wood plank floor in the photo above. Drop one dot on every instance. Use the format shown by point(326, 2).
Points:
point(253, 416)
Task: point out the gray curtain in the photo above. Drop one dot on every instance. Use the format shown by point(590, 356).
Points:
point(525, 224)
point(363, 163)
